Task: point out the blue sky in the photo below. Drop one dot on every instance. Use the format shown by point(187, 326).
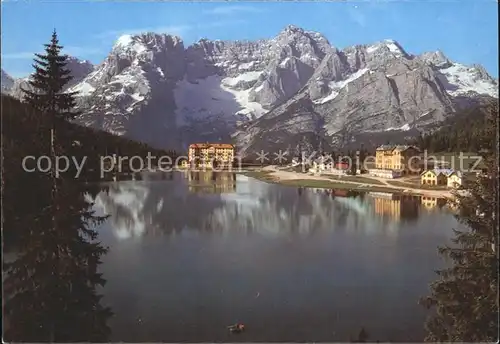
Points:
point(466, 31)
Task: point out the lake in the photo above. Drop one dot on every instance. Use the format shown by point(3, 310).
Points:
point(191, 253)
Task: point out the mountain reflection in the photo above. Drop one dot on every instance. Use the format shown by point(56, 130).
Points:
point(222, 202)
point(125, 201)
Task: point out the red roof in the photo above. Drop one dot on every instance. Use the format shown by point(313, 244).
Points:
point(342, 165)
point(208, 145)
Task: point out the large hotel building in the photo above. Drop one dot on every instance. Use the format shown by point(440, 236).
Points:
point(211, 154)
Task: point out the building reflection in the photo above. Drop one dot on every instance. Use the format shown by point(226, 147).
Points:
point(431, 203)
point(396, 207)
point(211, 182)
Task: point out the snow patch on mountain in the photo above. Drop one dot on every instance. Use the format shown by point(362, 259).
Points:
point(393, 47)
point(248, 76)
point(336, 86)
point(250, 109)
point(372, 49)
point(124, 41)
point(129, 43)
point(425, 114)
point(387, 45)
point(459, 79)
point(247, 65)
point(404, 127)
point(210, 98)
point(84, 89)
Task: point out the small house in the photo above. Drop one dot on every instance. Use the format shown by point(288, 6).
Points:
point(455, 179)
point(435, 177)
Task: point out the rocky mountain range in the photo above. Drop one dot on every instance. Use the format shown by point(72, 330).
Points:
point(291, 91)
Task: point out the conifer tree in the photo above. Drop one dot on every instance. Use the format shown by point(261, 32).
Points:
point(48, 82)
point(50, 288)
point(465, 296)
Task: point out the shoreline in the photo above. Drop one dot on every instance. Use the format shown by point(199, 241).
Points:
point(287, 178)
point(271, 174)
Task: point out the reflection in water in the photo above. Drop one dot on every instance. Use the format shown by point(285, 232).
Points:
point(211, 182)
point(246, 205)
point(125, 201)
point(431, 203)
point(396, 207)
point(51, 284)
point(311, 259)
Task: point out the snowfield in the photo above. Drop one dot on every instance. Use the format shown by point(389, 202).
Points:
point(209, 97)
point(460, 79)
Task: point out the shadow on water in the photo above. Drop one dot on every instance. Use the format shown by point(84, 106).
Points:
point(52, 282)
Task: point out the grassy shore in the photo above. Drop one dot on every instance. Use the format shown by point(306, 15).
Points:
point(311, 183)
point(261, 175)
point(362, 184)
point(357, 179)
point(417, 185)
point(267, 176)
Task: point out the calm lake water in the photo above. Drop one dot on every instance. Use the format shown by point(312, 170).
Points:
point(193, 253)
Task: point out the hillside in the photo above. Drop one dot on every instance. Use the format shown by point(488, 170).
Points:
point(25, 132)
point(465, 132)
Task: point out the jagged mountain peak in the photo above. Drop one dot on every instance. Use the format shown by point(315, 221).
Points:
point(145, 41)
point(79, 69)
point(436, 58)
point(388, 46)
point(483, 74)
point(292, 28)
point(292, 32)
point(73, 59)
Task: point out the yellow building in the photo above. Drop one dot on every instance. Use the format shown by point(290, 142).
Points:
point(436, 177)
point(211, 154)
point(398, 158)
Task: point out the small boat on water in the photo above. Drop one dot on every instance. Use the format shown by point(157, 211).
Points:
point(236, 328)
